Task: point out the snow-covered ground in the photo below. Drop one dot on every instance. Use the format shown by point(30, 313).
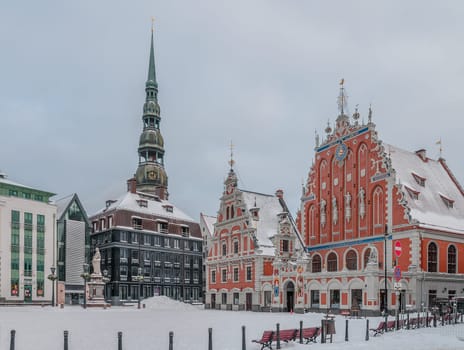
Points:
point(42, 328)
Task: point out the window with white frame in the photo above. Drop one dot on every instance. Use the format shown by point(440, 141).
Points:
point(213, 276)
point(224, 275)
point(236, 274)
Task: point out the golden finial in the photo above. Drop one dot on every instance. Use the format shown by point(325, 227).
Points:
point(231, 161)
point(152, 24)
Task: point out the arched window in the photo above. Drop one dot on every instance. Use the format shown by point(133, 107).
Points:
point(351, 260)
point(432, 258)
point(232, 212)
point(227, 213)
point(316, 264)
point(451, 259)
point(332, 262)
point(367, 253)
point(377, 208)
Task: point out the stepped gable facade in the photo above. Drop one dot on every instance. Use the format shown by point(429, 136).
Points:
point(254, 253)
point(365, 201)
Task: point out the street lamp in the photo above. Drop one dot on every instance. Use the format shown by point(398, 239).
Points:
point(139, 278)
point(86, 276)
point(105, 279)
point(385, 277)
point(52, 277)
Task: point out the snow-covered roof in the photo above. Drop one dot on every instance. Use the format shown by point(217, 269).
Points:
point(268, 224)
point(209, 222)
point(130, 201)
point(428, 209)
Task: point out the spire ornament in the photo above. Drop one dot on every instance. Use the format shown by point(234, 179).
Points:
point(231, 161)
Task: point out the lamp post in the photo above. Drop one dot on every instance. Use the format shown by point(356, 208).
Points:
point(105, 279)
point(86, 276)
point(385, 277)
point(52, 277)
point(139, 278)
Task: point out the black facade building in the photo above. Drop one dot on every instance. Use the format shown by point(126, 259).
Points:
point(148, 246)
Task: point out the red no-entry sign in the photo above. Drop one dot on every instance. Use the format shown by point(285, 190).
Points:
point(398, 248)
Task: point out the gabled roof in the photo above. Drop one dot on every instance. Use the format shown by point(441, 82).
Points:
point(268, 224)
point(63, 204)
point(130, 201)
point(209, 222)
point(428, 209)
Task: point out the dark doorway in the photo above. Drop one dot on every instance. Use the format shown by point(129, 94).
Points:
point(27, 293)
point(213, 301)
point(290, 296)
point(248, 301)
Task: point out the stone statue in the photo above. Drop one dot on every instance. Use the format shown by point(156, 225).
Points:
point(334, 210)
point(96, 262)
point(362, 205)
point(323, 215)
point(348, 206)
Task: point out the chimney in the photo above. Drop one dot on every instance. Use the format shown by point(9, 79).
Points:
point(132, 185)
point(279, 194)
point(422, 154)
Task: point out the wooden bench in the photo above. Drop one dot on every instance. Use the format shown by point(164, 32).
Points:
point(266, 340)
point(379, 330)
point(345, 313)
point(285, 335)
point(391, 325)
point(309, 334)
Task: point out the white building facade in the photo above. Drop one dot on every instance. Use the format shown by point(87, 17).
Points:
point(27, 248)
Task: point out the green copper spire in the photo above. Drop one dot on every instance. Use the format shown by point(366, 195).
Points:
point(151, 176)
point(151, 80)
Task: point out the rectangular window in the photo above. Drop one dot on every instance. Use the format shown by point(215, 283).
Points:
point(102, 224)
point(315, 298)
point(235, 274)
point(28, 244)
point(176, 244)
point(213, 276)
point(123, 236)
point(285, 245)
point(224, 298)
point(224, 276)
point(137, 223)
point(235, 247)
point(335, 298)
point(110, 221)
point(163, 227)
point(157, 240)
point(134, 237)
point(224, 249)
point(248, 273)
point(236, 298)
point(185, 231)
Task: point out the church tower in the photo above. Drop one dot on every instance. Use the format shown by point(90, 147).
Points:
point(151, 176)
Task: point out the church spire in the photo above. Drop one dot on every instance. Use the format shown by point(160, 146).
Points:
point(151, 176)
point(151, 79)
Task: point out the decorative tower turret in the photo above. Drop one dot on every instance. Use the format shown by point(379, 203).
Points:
point(151, 176)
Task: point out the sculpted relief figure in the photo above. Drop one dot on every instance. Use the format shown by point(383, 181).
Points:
point(334, 210)
point(348, 206)
point(362, 205)
point(323, 215)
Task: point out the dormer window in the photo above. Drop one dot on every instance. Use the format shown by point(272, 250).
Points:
point(143, 203)
point(413, 194)
point(168, 208)
point(419, 179)
point(285, 245)
point(185, 231)
point(448, 202)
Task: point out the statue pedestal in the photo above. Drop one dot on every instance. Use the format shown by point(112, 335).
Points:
point(96, 288)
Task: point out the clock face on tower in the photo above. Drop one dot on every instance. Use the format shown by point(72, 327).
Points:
point(341, 152)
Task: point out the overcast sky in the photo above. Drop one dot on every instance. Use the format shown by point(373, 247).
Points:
point(263, 74)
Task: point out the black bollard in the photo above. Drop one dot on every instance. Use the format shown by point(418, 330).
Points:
point(243, 338)
point(346, 330)
point(407, 324)
point(119, 340)
point(278, 336)
point(435, 320)
point(171, 340)
point(323, 332)
point(367, 329)
point(210, 339)
point(12, 339)
point(418, 321)
point(66, 333)
point(301, 332)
